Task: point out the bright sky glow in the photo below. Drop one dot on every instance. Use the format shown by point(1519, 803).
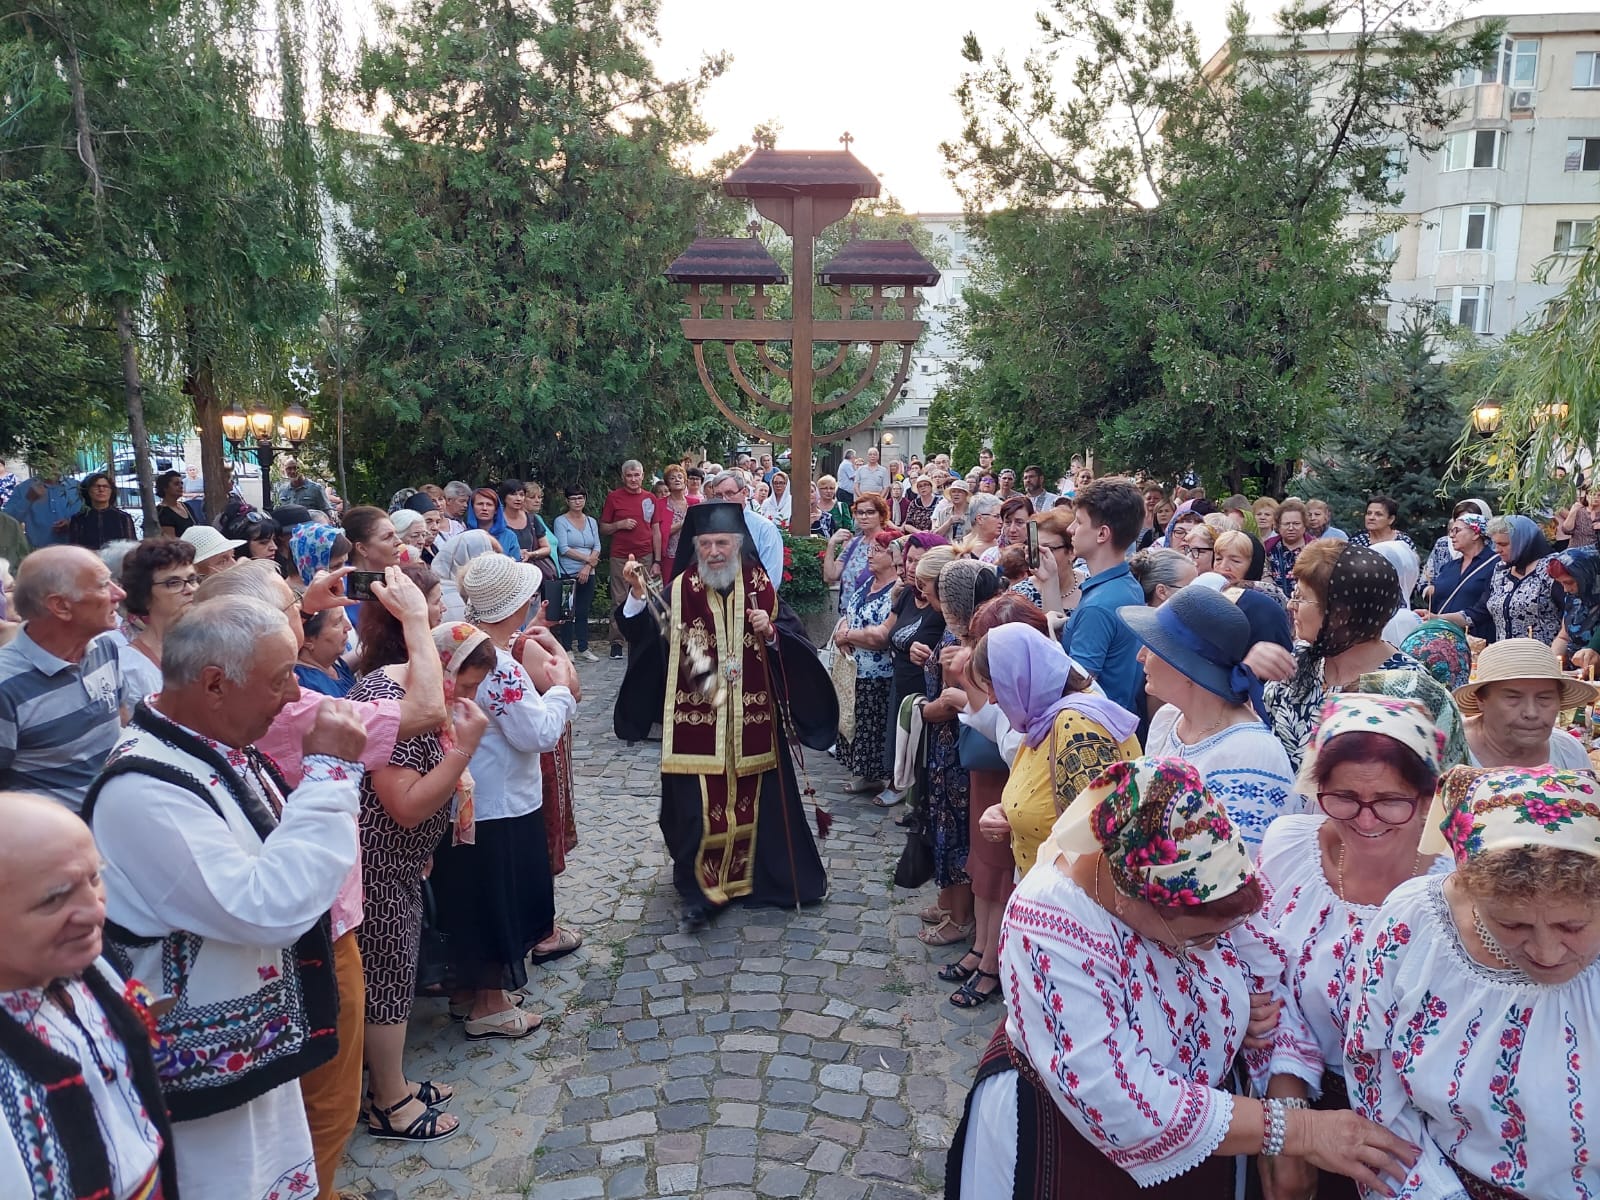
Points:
point(821, 67)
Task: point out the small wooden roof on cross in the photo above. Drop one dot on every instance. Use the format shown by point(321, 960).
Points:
point(867, 261)
point(801, 173)
point(726, 260)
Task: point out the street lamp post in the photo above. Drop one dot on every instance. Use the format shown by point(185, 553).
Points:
point(802, 192)
point(253, 431)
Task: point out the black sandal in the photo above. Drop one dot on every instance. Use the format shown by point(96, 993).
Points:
point(958, 972)
point(968, 995)
point(424, 1129)
point(426, 1092)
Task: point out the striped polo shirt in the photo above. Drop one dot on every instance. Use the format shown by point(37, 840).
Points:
point(58, 720)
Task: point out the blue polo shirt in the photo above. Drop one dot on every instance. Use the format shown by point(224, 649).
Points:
point(1101, 643)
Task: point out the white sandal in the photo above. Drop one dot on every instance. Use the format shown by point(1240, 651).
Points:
point(512, 1023)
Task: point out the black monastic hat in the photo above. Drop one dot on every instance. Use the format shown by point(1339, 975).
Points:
point(711, 516)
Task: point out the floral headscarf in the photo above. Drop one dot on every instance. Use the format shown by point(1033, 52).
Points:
point(1405, 721)
point(1167, 840)
point(1442, 648)
point(1422, 688)
point(312, 547)
point(1478, 810)
point(1363, 592)
point(1581, 606)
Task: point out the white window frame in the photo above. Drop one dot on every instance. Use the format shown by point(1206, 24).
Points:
point(1466, 212)
point(1578, 151)
point(1385, 247)
point(1573, 237)
point(1450, 302)
point(1467, 140)
point(1502, 66)
point(1586, 70)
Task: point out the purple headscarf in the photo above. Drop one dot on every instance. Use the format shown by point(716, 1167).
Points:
point(1028, 671)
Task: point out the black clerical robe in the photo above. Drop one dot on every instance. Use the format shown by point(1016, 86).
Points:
point(784, 867)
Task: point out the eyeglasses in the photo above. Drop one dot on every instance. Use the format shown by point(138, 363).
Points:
point(1300, 602)
point(1056, 547)
point(1204, 942)
point(1391, 810)
point(1195, 552)
point(177, 583)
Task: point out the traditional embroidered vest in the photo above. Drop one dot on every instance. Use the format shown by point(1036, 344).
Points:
point(51, 1112)
point(247, 1019)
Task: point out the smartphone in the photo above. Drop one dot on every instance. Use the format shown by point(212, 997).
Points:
point(1033, 546)
point(358, 584)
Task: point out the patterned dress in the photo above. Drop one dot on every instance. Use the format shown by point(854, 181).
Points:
point(392, 861)
point(1482, 1068)
point(864, 754)
point(1532, 603)
point(949, 789)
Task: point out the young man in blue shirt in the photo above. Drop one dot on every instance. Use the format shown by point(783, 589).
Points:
point(1107, 516)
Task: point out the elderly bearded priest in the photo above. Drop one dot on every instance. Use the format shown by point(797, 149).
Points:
point(733, 652)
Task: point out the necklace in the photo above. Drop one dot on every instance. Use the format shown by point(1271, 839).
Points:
point(1201, 735)
point(1489, 942)
point(1415, 867)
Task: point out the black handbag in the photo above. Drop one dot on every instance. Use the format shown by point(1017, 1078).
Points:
point(434, 966)
point(915, 867)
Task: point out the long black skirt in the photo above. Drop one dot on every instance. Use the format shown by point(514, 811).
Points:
point(496, 901)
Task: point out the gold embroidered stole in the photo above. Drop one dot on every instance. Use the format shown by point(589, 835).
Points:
point(729, 743)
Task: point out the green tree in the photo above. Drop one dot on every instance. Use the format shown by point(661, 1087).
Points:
point(191, 220)
point(509, 232)
point(1398, 431)
point(1171, 278)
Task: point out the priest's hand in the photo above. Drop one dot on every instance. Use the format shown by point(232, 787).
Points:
point(634, 574)
point(761, 625)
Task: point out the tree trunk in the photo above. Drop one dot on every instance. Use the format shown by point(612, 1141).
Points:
point(200, 385)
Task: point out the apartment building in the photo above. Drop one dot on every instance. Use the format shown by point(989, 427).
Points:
point(1494, 218)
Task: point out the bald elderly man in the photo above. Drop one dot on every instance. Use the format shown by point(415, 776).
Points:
point(71, 1046)
point(60, 686)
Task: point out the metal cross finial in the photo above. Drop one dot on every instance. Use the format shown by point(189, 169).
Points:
point(845, 139)
point(753, 228)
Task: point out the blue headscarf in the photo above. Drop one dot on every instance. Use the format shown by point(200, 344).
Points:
point(1527, 541)
point(312, 547)
point(497, 528)
point(1581, 607)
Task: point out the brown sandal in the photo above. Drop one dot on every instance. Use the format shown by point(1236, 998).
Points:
point(933, 914)
point(946, 933)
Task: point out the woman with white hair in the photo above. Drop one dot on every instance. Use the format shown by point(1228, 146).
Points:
point(983, 538)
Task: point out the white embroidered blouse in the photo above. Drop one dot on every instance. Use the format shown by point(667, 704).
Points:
point(1322, 937)
point(1132, 1040)
point(1478, 1066)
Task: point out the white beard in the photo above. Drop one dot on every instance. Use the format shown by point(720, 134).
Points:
point(720, 579)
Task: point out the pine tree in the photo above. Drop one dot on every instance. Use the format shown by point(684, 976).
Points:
point(1396, 437)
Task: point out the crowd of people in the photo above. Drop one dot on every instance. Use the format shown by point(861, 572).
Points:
point(1262, 840)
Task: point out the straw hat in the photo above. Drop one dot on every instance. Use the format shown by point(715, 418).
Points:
point(496, 585)
point(208, 542)
point(1522, 658)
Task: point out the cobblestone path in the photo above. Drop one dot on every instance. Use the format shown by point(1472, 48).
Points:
point(776, 1054)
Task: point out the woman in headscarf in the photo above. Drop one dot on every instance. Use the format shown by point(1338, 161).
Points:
point(1523, 600)
point(1241, 559)
point(1476, 1023)
point(1445, 549)
point(1344, 596)
point(1070, 732)
point(960, 587)
point(317, 548)
point(1577, 573)
point(1127, 1003)
point(1193, 652)
point(457, 553)
point(1404, 561)
point(1459, 591)
point(1372, 769)
point(487, 513)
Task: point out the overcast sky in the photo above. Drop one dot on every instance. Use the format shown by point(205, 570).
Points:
point(885, 70)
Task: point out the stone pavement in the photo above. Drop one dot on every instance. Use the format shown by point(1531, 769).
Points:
point(776, 1054)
